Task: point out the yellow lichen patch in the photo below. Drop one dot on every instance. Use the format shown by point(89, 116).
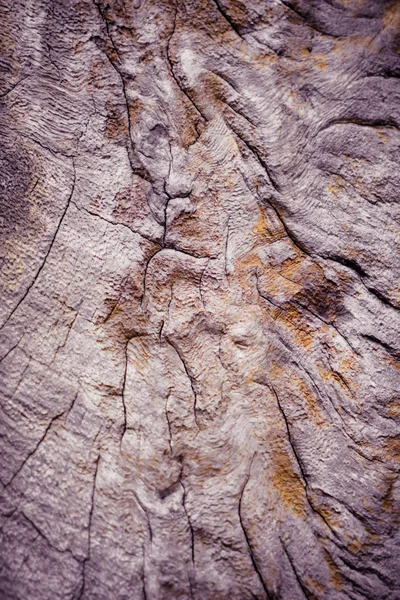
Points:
point(136, 107)
point(139, 355)
point(384, 137)
point(335, 188)
point(320, 62)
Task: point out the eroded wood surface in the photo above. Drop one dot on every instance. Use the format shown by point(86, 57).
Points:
point(200, 316)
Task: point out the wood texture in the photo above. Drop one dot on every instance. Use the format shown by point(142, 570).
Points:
point(199, 343)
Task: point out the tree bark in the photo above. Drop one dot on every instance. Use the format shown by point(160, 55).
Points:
point(200, 325)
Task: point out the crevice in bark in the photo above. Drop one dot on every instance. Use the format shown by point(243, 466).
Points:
point(340, 377)
point(357, 588)
point(51, 61)
point(366, 570)
point(306, 22)
point(374, 459)
point(361, 123)
point(89, 528)
point(41, 440)
point(190, 526)
point(298, 579)
point(386, 74)
point(226, 249)
point(65, 342)
point(169, 198)
point(163, 321)
point(231, 85)
point(49, 543)
point(328, 323)
point(349, 263)
point(257, 276)
point(350, 509)
point(389, 349)
point(384, 299)
point(138, 170)
point(176, 79)
point(43, 146)
point(40, 269)
point(200, 285)
point(362, 274)
point(157, 252)
point(14, 86)
point(179, 251)
point(225, 15)
point(115, 224)
point(299, 462)
point(169, 424)
point(123, 388)
point(295, 302)
point(189, 376)
point(146, 514)
point(146, 268)
point(246, 536)
point(144, 574)
point(107, 25)
point(254, 151)
point(11, 350)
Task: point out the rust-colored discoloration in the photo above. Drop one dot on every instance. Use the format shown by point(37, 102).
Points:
point(297, 387)
point(393, 408)
point(353, 4)
point(335, 577)
point(285, 479)
point(392, 361)
point(294, 320)
point(391, 449)
point(116, 124)
point(388, 502)
point(355, 546)
point(336, 188)
point(391, 16)
point(312, 584)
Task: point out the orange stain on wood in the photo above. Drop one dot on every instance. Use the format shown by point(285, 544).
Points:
point(297, 386)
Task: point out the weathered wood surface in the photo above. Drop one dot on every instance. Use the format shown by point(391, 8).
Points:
point(200, 283)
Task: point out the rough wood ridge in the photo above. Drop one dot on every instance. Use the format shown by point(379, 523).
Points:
point(199, 327)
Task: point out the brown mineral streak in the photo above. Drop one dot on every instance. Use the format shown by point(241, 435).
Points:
point(199, 319)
